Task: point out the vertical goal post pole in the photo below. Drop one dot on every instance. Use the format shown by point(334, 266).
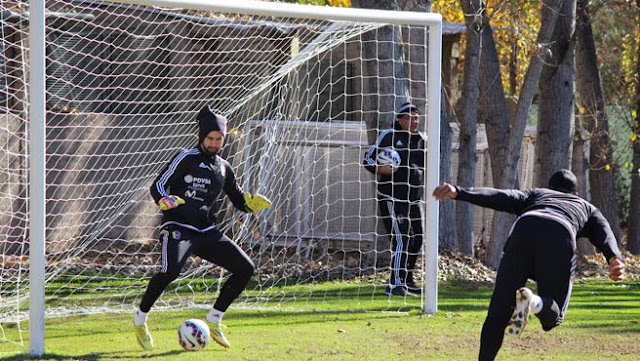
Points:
point(431, 221)
point(37, 170)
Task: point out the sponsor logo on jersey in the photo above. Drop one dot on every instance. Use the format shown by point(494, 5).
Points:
point(191, 179)
point(191, 193)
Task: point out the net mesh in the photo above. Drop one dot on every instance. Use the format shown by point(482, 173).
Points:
point(305, 98)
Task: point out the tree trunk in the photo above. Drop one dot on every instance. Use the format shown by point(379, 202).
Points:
point(579, 166)
point(414, 5)
point(447, 222)
point(474, 11)
point(501, 220)
point(493, 110)
point(591, 98)
point(556, 105)
point(385, 83)
point(633, 238)
point(414, 53)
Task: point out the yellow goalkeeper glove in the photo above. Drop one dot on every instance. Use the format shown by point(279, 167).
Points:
point(256, 202)
point(170, 202)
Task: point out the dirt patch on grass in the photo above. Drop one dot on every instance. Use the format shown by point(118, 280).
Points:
point(566, 344)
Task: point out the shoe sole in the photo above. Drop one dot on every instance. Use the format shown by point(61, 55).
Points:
point(218, 342)
point(143, 347)
point(520, 315)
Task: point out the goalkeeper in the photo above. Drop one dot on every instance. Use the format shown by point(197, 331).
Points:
point(399, 194)
point(186, 191)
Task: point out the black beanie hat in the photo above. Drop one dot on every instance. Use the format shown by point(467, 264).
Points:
point(208, 121)
point(563, 181)
point(406, 108)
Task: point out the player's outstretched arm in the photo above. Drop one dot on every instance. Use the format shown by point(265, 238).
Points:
point(445, 191)
point(616, 269)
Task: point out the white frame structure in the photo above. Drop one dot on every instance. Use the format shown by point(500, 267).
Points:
point(37, 128)
point(37, 175)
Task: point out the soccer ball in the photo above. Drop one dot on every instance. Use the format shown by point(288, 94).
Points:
point(388, 156)
point(194, 334)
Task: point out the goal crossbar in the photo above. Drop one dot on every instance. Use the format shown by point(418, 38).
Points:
point(298, 11)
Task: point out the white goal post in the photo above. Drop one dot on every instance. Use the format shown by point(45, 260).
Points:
point(41, 102)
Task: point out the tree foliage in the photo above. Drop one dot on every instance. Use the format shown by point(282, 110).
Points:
point(516, 25)
point(617, 39)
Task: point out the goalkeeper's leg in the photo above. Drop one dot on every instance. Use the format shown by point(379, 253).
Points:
point(555, 264)
point(175, 251)
point(510, 277)
point(225, 253)
point(414, 247)
point(395, 217)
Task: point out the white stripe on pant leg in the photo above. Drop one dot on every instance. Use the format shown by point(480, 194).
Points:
point(566, 300)
point(398, 250)
point(398, 258)
point(165, 241)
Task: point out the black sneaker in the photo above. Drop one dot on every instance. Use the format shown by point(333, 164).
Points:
point(398, 291)
point(413, 288)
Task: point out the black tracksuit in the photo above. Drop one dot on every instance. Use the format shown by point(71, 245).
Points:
point(399, 196)
point(541, 247)
point(188, 229)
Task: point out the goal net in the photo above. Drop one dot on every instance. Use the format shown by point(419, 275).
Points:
point(305, 99)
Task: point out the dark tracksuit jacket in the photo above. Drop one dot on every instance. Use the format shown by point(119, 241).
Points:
point(399, 196)
point(541, 246)
point(199, 180)
point(189, 228)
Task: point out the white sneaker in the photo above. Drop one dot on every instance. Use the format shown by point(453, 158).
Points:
point(218, 335)
point(520, 315)
point(144, 337)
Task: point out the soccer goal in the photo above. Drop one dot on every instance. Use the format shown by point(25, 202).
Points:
point(96, 96)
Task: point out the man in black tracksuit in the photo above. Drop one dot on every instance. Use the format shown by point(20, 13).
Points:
point(541, 247)
point(399, 194)
point(186, 190)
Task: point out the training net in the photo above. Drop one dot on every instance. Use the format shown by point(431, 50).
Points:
point(305, 99)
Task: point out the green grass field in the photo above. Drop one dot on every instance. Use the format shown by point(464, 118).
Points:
point(603, 323)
